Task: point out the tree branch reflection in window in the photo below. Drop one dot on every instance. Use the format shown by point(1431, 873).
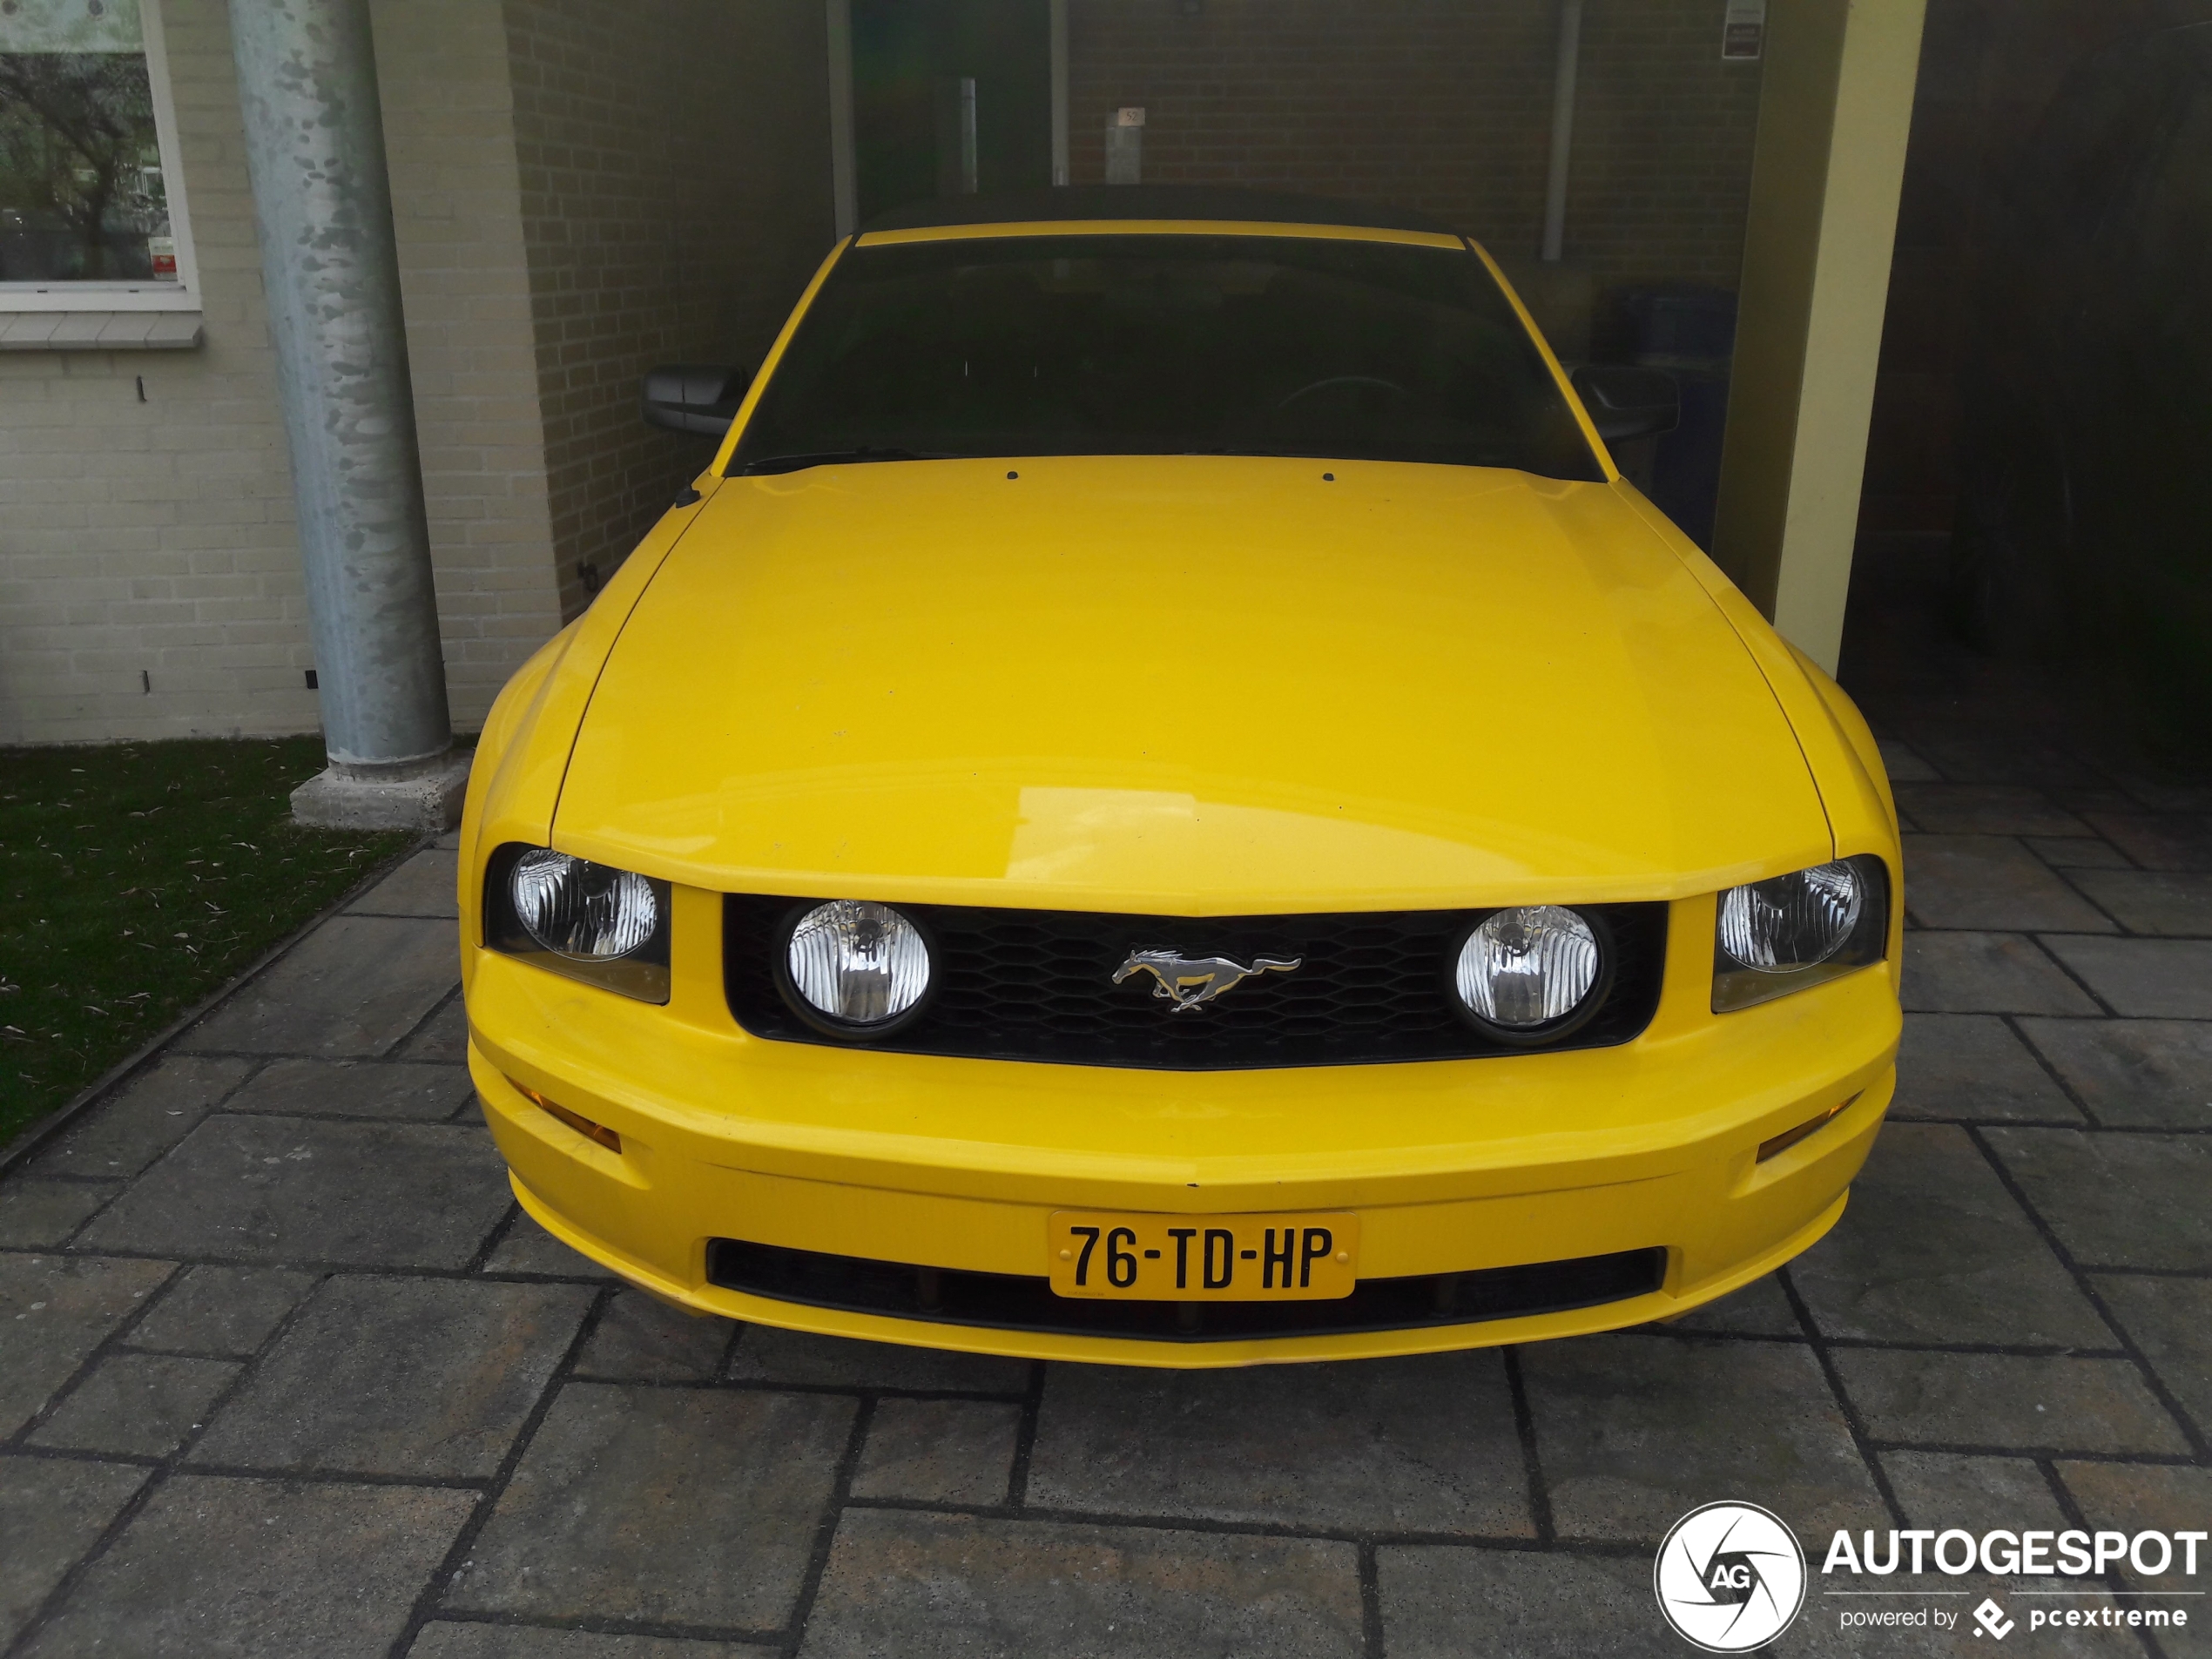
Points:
point(82, 195)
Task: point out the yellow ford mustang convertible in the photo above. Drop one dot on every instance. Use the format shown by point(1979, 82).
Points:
point(1163, 802)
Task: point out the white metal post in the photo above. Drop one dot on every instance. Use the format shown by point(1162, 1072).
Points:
point(314, 151)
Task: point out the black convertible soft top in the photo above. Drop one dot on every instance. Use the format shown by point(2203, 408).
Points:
point(1074, 202)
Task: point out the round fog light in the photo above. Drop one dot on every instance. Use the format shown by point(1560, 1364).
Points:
point(857, 963)
point(1528, 967)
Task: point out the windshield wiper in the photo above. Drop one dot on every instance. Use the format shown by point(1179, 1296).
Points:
point(827, 458)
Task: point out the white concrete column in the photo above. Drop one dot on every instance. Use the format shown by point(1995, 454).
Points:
point(1835, 112)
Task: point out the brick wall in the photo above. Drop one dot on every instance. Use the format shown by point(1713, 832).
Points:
point(1988, 70)
point(449, 142)
point(675, 198)
point(150, 580)
point(154, 538)
point(1444, 106)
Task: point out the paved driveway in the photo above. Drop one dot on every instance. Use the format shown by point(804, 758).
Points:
point(284, 1370)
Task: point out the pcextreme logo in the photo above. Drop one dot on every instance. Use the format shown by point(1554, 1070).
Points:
point(1730, 1577)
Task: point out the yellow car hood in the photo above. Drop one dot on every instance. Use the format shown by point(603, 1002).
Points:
point(1183, 684)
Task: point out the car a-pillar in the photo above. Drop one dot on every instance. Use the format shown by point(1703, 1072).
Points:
point(314, 149)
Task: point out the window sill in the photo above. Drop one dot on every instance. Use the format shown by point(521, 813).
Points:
point(100, 330)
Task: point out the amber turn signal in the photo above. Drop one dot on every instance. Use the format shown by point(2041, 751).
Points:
point(584, 1126)
point(1790, 1137)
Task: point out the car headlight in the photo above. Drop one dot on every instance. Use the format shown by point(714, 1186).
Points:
point(1788, 932)
point(857, 966)
point(590, 922)
point(586, 912)
point(1525, 973)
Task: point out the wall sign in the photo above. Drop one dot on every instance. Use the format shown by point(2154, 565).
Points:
point(1743, 31)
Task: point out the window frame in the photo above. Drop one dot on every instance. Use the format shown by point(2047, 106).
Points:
point(183, 294)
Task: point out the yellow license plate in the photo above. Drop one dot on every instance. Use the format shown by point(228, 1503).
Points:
point(1203, 1258)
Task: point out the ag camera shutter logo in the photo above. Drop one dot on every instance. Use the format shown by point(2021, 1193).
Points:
point(1730, 1577)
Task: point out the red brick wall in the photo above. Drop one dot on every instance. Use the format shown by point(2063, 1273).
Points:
point(1443, 106)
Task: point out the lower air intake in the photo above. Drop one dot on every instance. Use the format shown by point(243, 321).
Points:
point(1010, 1302)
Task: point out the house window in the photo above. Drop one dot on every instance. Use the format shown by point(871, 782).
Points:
point(91, 203)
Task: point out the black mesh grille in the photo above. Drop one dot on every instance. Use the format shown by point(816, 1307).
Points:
point(1371, 987)
point(1010, 1302)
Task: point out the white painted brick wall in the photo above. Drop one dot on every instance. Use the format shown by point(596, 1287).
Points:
point(156, 538)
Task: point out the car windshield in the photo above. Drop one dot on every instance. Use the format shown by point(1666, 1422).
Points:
point(1164, 344)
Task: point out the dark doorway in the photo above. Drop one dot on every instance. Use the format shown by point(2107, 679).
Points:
point(950, 95)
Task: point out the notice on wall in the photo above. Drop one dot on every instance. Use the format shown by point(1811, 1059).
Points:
point(1743, 31)
point(1125, 145)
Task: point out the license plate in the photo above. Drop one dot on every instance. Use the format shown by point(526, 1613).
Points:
point(1203, 1258)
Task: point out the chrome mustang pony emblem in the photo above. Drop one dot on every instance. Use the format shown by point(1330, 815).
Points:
point(1188, 981)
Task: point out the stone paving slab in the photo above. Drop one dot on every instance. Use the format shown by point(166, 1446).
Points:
point(1973, 1065)
point(2157, 979)
point(2158, 840)
point(423, 1378)
point(1986, 973)
point(451, 1639)
point(290, 1189)
point(1933, 1249)
point(1444, 1601)
point(1983, 809)
point(394, 1090)
point(1944, 1490)
point(527, 1250)
point(766, 1355)
point(1421, 1445)
point(2150, 902)
point(2117, 1200)
point(676, 1506)
point(641, 1338)
point(1905, 764)
point(224, 1312)
point(357, 985)
point(37, 1214)
point(141, 1405)
point(425, 885)
point(2171, 1321)
point(155, 1110)
point(2143, 1074)
point(2076, 852)
point(51, 1511)
point(2016, 1402)
point(55, 1310)
point(1760, 1414)
point(215, 1565)
point(443, 1039)
point(1760, 1309)
point(940, 1450)
point(924, 1586)
point(1990, 881)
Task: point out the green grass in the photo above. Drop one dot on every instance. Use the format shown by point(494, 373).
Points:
point(134, 880)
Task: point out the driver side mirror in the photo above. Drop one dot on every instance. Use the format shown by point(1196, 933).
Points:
point(1628, 402)
point(694, 397)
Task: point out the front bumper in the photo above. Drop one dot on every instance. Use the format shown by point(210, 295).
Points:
point(1454, 1166)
